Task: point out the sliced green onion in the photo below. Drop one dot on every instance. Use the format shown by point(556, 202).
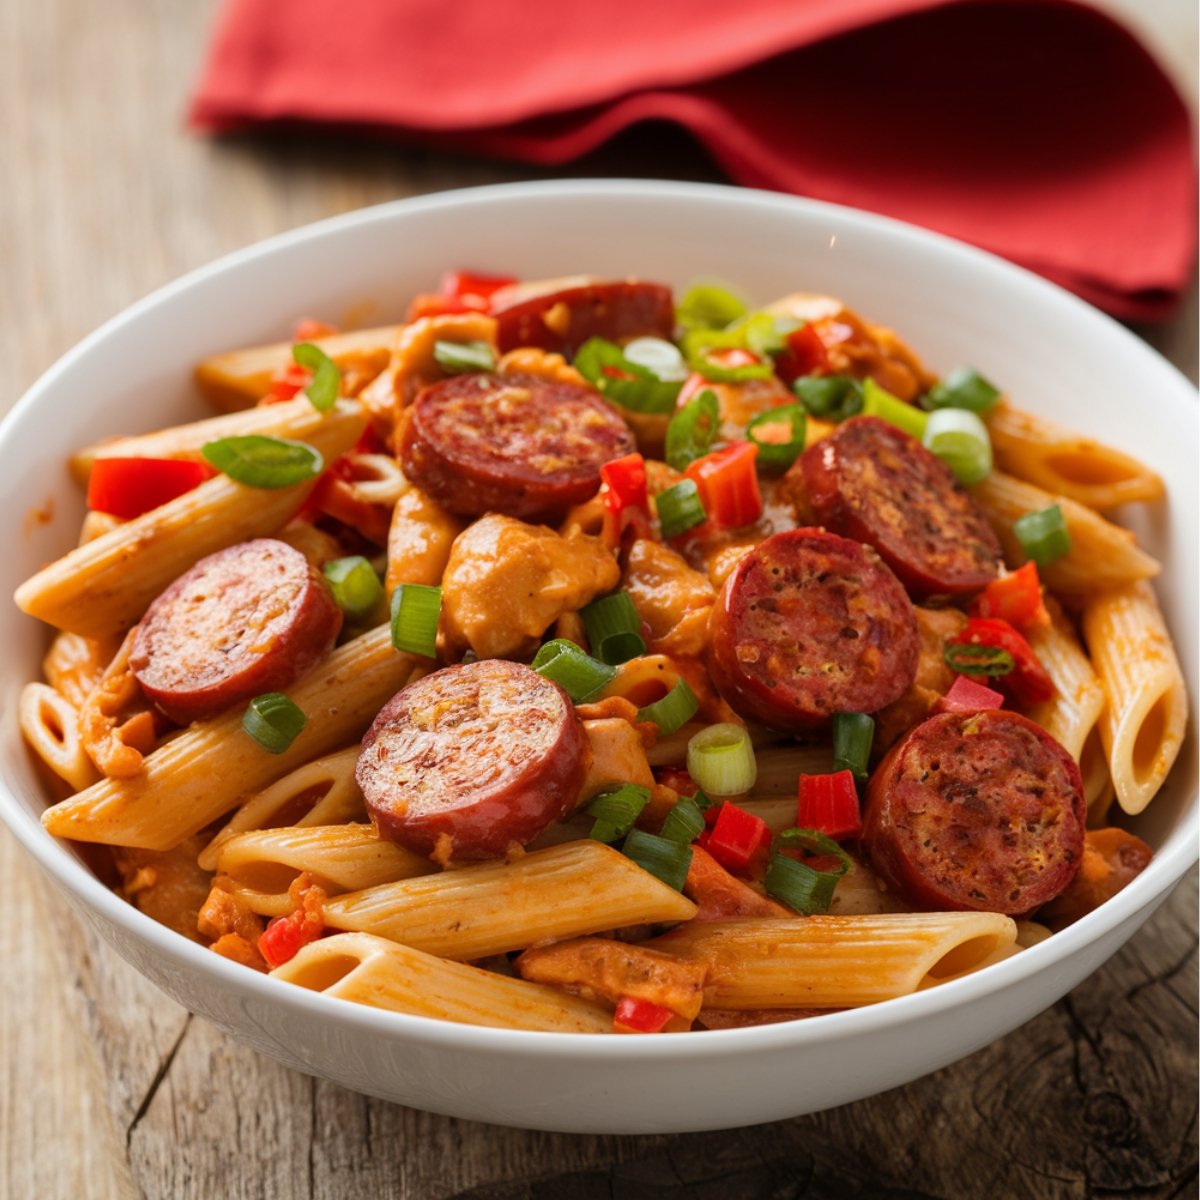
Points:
point(658, 355)
point(614, 628)
point(703, 802)
point(664, 859)
point(415, 611)
point(684, 823)
point(798, 885)
point(708, 306)
point(1043, 535)
point(764, 333)
point(578, 674)
point(879, 402)
point(721, 760)
point(680, 508)
point(354, 584)
point(817, 843)
point(264, 462)
point(701, 344)
point(673, 711)
point(692, 429)
point(273, 721)
point(775, 455)
point(831, 397)
point(969, 658)
point(965, 388)
point(623, 381)
point(616, 810)
point(852, 736)
point(960, 439)
point(322, 392)
point(457, 358)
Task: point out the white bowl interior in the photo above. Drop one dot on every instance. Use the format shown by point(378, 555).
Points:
point(1051, 353)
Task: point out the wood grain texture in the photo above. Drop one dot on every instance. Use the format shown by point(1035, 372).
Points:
point(111, 1090)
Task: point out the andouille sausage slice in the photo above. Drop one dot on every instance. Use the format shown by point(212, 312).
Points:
point(562, 320)
point(516, 444)
point(976, 811)
point(810, 624)
point(465, 762)
point(249, 619)
point(872, 482)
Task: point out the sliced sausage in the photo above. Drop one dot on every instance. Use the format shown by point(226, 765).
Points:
point(516, 444)
point(976, 811)
point(872, 482)
point(469, 760)
point(810, 624)
point(563, 320)
point(249, 619)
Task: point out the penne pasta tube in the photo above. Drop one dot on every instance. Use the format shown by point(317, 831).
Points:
point(51, 728)
point(322, 792)
point(101, 589)
point(239, 378)
point(189, 781)
point(371, 970)
point(1098, 788)
point(260, 866)
point(1143, 724)
point(1102, 555)
point(834, 962)
point(1063, 462)
point(1071, 713)
point(491, 908)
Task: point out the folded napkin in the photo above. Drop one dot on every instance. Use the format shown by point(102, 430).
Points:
point(1037, 129)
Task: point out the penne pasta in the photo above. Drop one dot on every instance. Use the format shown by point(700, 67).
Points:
point(1040, 452)
point(494, 907)
point(50, 725)
point(1098, 788)
point(835, 962)
point(101, 589)
point(191, 780)
point(74, 665)
point(1102, 555)
point(1143, 724)
point(371, 970)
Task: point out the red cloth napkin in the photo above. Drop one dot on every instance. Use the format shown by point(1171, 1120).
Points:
point(1037, 129)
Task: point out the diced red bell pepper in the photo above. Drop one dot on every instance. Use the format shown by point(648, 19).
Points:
point(1015, 598)
point(728, 485)
point(967, 696)
point(634, 1015)
point(287, 382)
point(308, 329)
point(128, 487)
point(625, 485)
point(829, 804)
point(736, 837)
point(804, 354)
point(692, 386)
point(1027, 683)
point(284, 937)
point(466, 285)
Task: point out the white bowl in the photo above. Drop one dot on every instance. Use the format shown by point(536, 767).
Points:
point(955, 305)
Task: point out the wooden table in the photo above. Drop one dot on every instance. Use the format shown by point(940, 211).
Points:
point(112, 1090)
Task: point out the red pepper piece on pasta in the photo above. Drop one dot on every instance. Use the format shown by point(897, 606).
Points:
point(1015, 598)
point(804, 354)
point(625, 486)
point(965, 695)
point(287, 382)
point(736, 837)
point(1027, 682)
point(634, 1015)
point(284, 937)
point(728, 485)
point(829, 804)
point(128, 487)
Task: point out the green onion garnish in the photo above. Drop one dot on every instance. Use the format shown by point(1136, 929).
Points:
point(708, 306)
point(657, 355)
point(852, 736)
point(458, 358)
point(616, 810)
point(692, 429)
point(969, 658)
point(700, 346)
point(264, 462)
point(721, 760)
point(798, 885)
point(354, 584)
point(960, 439)
point(813, 841)
point(777, 455)
point(415, 611)
point(680, 508)
point(578, 674)
point(830, 397)
point(684, 823)
point(623, 381)
point(614, 628)
point(673, 711)
point(1043, 535)
point(962, 388)
point(273, 721)
point(322, 392)
point(879, 402)
point(664, 859)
